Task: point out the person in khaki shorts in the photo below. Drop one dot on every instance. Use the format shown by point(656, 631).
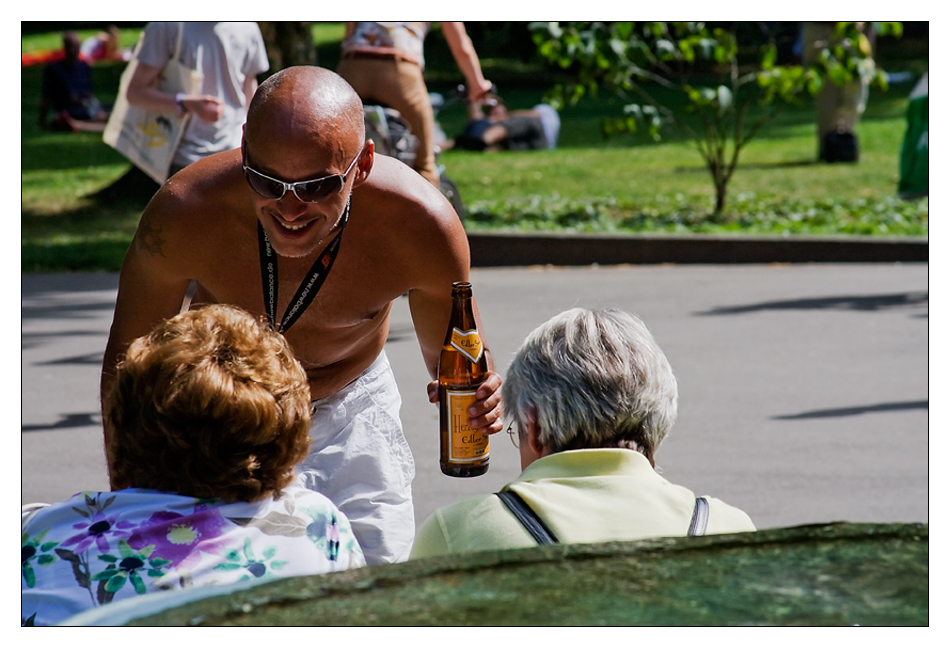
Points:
point(591, 396)
point(384, 63)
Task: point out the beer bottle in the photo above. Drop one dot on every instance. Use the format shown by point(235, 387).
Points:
point(462, 368)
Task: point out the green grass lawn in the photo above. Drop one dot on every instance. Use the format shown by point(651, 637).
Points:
point(588, 184)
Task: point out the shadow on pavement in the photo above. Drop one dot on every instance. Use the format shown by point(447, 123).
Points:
point(84, 359)
point(856, 411)
point(53, 310)
point(859, 303)
point(86, 419)
point(36, 285)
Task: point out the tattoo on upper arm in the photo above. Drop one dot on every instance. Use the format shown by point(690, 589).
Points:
point(150, 239)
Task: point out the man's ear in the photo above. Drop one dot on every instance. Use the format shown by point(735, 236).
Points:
point(365, 165)
point(534, 434)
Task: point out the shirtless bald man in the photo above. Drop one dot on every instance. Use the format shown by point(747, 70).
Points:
point(371, 227)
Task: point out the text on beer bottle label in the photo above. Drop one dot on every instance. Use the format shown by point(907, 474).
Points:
point(468, 344)
point(465, 442)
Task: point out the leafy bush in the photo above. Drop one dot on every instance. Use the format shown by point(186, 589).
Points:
point(748, 214)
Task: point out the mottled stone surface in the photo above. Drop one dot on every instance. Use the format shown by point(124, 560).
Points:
point(831, 574)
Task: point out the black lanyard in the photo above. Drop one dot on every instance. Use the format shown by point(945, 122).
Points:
point(309, 287)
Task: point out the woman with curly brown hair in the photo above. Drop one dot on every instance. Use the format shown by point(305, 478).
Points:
point(211, 413)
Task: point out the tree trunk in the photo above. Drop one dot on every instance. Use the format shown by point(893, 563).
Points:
point(720, 196)
point(288, 44)
point(720, 177)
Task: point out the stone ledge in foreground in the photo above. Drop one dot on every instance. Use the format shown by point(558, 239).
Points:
point(822, 574)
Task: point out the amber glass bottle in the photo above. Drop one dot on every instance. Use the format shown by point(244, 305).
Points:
point(462, 368)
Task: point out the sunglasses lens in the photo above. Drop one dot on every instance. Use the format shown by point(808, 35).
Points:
point(319, 190)
point(264, 186)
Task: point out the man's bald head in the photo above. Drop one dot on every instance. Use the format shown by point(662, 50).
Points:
point(307, 102)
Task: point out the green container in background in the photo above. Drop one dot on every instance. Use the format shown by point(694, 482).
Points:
point(915, 165)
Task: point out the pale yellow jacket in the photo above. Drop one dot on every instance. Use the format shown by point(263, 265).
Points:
point(583, 496)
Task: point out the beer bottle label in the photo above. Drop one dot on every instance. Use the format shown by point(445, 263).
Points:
point(465, 443)
point(468, 343)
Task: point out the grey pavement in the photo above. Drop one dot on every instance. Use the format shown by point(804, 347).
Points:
point(803, 388)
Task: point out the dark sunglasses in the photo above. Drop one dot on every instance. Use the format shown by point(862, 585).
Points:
point(311, 191)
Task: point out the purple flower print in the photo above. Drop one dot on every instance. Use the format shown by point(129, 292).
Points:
point(97, 529)
point(177, 537)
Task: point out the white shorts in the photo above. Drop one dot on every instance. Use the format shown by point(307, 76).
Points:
point(360, 459)
point(550, 122)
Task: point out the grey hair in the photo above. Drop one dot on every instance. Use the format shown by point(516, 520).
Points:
point(593, 379)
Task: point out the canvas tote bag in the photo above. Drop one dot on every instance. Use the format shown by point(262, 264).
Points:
point(149, 138)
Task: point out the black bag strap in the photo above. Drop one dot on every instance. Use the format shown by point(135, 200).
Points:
point(528, 518)
point(697, 526)
point(543, 535)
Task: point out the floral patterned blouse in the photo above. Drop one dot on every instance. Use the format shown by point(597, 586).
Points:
point(103, 547)
point(403, 39)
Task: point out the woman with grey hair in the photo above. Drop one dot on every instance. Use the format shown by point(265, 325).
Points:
point(590, 396)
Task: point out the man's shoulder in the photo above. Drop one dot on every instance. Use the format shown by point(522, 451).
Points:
point(472, 509)
point(725, 518)
point(475, 523)
point(393, 187)
point(205, 192)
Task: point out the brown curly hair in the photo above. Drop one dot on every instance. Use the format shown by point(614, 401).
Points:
point(211, 403)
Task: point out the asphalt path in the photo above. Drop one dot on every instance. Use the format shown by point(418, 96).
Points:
point(803, 388)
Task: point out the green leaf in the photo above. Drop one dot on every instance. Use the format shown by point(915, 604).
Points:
point(106, 574)
point(687, 49)
point(769, 56)
point(839, 75)
point(103, 595)
point(137, 583)
point(125, 550)
point(46, 559)
point(29, 575)
point(227, 566)
point(665, 50)
point(115, 583)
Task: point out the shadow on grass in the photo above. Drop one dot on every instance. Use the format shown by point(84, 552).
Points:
point(100, 228)
point(757, 165)
point(73, 256)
